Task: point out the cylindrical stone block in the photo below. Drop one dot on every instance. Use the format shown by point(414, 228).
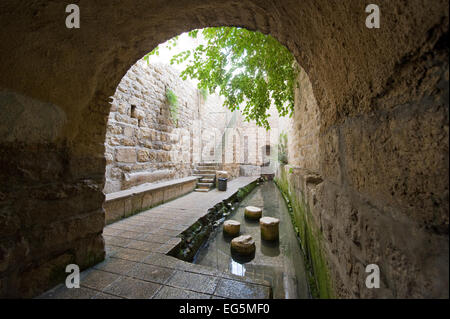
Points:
point(231, 227)
point(243, 245)
point(269, 228)
point(253, 212)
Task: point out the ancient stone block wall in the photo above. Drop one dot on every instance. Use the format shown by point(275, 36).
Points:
point(144, 143)
point(366, 186)
point(383, 101)
point(247, 143)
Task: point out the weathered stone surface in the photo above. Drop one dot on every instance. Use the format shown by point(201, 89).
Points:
point(140, 118)
point(231, 227)
point(355, 181)
point(243, 245)
point(195, 136)
point(250, 170)
point(128, 202)
point(133, 179)
point(269, 228)
point(126, 155)
point(253, 212)
point(360, 77)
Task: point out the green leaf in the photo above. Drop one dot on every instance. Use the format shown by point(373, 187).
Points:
point(251, 70)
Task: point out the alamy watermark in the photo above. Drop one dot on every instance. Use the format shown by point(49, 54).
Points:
point(73, 279)
point(373, 279)
point(372, 20)
point(73, 19)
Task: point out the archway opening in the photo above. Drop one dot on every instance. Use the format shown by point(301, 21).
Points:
point(378, 173)
point(166, 138)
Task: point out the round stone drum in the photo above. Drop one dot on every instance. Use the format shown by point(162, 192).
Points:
point(253, 212)
point(269, 228)
point(243, 245)
point(231, 227)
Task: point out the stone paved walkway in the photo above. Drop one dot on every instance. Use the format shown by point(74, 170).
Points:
point(136, 264)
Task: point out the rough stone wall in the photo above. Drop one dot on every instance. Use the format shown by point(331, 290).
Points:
point(257, 140)
point(379, 79)
point(370, 184)
point(304, 127)
point(144, 143)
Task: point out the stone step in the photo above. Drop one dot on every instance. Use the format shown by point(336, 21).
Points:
point(208, 164)
point(205, 184)
point(204, 171)
point(207, 180)
point(202, 190)
point(205, 175)
point(207, 168)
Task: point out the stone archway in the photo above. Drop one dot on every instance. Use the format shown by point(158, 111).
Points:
point(56, 82)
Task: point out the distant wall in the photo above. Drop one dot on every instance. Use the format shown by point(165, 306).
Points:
point(143, 143)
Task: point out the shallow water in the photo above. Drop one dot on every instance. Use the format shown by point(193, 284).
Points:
point(280, 263)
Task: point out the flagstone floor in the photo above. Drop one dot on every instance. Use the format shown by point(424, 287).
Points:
point(136, 264)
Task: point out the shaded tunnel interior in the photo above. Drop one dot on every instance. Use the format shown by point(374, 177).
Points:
point(368, 150)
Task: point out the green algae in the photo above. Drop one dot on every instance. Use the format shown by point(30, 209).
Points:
point(310, 239)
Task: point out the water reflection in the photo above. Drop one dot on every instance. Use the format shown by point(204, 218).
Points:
point(270, 248)
point(280, 262)
point(241, 259)
point(237, 268)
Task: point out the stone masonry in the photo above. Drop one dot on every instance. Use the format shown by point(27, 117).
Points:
point(144, 143)
point(382, 96)
point(358, 203)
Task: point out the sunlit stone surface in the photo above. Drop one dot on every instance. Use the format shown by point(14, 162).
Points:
point(243, 245)
point(269, 228)
point(253, 212)
point(231, 227)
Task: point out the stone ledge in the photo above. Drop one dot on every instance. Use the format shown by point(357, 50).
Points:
point(128, 202)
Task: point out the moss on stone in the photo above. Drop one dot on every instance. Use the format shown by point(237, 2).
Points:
point(310, 239)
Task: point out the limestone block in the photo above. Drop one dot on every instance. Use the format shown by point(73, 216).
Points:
point(269, 228)
point(250, 170)
point(132, 179)
point(128, 131)
point(143, 155)
point(231, 227)
point(127, 141)
point(243, 245)
point(114, 210)
point(114, 129)
point(113, 140)
point(112, 186)
point(126, 119)
point(126, 155)
point(123, 108)
point(144, 133)
point(109, 158)
point(253, 212)
point(116, 173)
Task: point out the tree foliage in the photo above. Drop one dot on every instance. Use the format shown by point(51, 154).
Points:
point(249, 69)
point(173, 105)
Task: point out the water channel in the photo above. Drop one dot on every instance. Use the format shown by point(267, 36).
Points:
point(281, 263)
